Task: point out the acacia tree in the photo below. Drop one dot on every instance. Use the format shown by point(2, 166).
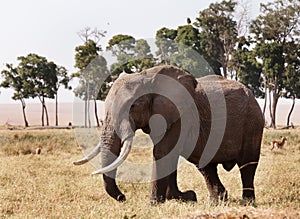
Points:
point(190, 55)
point(165, 42)
point(85, 55)
point(92, 84)
point(218, 33)
point(15, 79)
point(33, 77)
point(132, 55)
point(41, 75)
point(292, 76)
point(248, 69)
point(122, 47)
point(143, 57)
point(276, 26)
point(62, 79)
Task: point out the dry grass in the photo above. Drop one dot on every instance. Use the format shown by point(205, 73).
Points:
point(49, 186)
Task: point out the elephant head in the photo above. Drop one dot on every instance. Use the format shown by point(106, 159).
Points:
point(132, 102)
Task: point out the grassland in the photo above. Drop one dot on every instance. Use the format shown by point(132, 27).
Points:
point(49, 186)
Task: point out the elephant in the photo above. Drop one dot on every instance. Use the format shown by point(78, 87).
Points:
point(163, 92)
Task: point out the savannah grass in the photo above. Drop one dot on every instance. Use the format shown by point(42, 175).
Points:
point(50, 186)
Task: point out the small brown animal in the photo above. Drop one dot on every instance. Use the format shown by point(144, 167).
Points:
point(38, 150)
point(278, 144)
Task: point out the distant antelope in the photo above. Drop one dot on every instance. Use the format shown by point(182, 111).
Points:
point(278, 144)
point(38, 150)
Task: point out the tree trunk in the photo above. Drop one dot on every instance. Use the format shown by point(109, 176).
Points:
point(88, 106)
point(96, 113)
point(85, 105)
point(290, 113)
point(46, 113)
point(42, 101)
point(270, 107)
point(265, 102)
point(274, 107)
point(56, 110)
point(224, 66)
point(24, 114)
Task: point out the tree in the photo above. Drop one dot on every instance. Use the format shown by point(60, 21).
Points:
point(15, 79)
point(41, 75)
point(33, 77)
point(218, 33)
point(291, 76)
point(181, 47)
point(92, 84)
point(89, 63)
point(276, 26)
point(132, 55)
point(143, 58)
point(189, 56)
point(121, 47)
point(273, 68)
point(165, 42)
point(62, 79)
point(248, 69)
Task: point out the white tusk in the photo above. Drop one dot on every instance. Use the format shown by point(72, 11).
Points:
point(127, 147)
point(90, 156)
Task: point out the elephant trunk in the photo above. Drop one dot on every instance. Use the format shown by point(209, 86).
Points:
point(109, 178)
point(111, 162)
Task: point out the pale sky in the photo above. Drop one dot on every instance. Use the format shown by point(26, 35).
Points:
point(49, 27)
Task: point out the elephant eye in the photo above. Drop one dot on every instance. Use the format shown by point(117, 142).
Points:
point(132, 107)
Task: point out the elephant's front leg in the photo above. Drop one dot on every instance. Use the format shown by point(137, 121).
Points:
point(164, 181)
point(174, 193)
point(162, 168)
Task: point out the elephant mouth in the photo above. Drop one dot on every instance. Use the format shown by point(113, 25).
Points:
point(114, 165)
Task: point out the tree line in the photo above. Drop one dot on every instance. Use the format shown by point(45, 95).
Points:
point(263, 54)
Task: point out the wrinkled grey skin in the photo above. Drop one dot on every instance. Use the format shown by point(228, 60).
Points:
point(240, 145)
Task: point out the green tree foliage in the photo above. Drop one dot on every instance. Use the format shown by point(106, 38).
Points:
point(34, 77)
point(189, 55)
point(93, 74)
point(218, 33)
point(132, 55)
point(15, 79)
point(143, 57)
point(41, 74)
point(85, 55)
point(165, 42)
point(248, 69)
point(63, 79)
point(292, 76)
point(181, 47)
point(121, 46)
point(274, 29)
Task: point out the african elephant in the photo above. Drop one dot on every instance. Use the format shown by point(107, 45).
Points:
point(135, 98)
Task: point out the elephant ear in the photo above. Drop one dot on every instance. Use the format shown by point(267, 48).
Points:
point(174, 98)
point(189, 82)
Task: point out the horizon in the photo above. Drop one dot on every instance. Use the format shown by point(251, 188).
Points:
point(11, 113)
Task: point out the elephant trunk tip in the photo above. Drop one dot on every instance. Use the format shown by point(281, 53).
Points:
point(121, 198)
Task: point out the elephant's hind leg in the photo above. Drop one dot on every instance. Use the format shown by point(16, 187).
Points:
point(174, 193)
point(247, 170)
point(215, 187)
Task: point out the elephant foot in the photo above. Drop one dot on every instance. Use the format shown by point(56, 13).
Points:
point(183, 196)
point(157, 200)
point(248, 199)
point(220, 196)
point(121, 198)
